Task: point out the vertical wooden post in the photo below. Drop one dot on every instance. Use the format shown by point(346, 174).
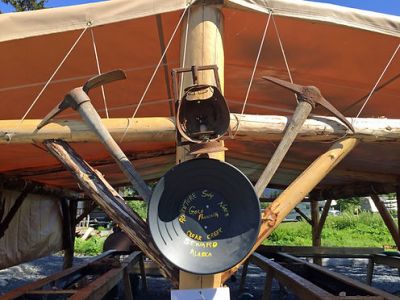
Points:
point(398, 205)
point(201, 44)
point(316, 238)
point(268, 284)
point(73, 208)
point(244, 275)
point(387, 218)
point(69, 222)
point(370, 270)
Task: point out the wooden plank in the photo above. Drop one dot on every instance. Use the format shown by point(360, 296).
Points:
point(383, 259)
point(302, 288)
point(19, 184)
point(52, 292)
point(354, 284)
point(45, 281)
point(252, 128)
point(360, 189)
point(333, 252)
point(96, 187)
point(99, 287)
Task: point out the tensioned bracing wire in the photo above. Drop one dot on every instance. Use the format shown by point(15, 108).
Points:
point(183, 63)
point(283, 53)
point(52, 76)
point(282, 49)
point(252, 75)
point(154, 73)
point(256, 62)
point(377, 82)
point(99, 71)
point(10, 134)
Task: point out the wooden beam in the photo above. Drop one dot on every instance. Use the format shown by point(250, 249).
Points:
point(356, 190)
point(96, 187)
point(19, 184)
point(387, 218)
point(162, 129)
point(50, 280)
point(301, 287)
point(354, 176)
point(332, 281)
point(330, 252)
point(274, 214)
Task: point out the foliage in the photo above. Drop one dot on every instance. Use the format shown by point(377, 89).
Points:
point(92, 246)
point(349, 205)
point(347, 230)
point(23, 5)
point(140, 207)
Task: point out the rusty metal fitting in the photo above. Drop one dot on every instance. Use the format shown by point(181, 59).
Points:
point(269, 217)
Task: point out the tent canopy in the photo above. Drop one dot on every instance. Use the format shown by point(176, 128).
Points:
point(341, 51)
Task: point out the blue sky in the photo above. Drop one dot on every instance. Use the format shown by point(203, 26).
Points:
point(383, 6)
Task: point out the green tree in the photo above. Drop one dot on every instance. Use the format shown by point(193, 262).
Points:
point(349, 205)
point(23, 5)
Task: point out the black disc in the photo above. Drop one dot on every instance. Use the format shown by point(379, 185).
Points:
point(204, 216)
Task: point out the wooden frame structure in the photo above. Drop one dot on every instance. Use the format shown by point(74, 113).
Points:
point(91, 280)
point(205, 26)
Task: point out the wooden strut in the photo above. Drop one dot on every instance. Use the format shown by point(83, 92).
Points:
point(275, 213)
point(387, 218)
point(17, 204)
point(303, 215)
point(162, 129)
point(96, 187)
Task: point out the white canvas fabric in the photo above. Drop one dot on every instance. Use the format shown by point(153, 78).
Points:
point(14, 25)
point(35, 231)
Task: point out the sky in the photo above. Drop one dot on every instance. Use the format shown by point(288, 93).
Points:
point(383, 6)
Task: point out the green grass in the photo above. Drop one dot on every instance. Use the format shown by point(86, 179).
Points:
point(92, 246)
point(140, 207)
point(347, 230)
